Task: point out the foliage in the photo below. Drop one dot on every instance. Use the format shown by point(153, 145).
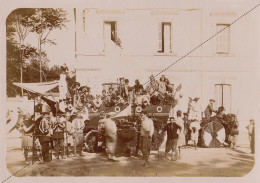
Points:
point(44, 20)
point(23, 57)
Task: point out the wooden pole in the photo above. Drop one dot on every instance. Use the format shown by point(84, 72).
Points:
point(33, 148)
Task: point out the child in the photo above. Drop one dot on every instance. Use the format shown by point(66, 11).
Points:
point(195, 126)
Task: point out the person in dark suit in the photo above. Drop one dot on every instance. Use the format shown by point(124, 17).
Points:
point(172, 130)
point(209, 109)
point(45, 134)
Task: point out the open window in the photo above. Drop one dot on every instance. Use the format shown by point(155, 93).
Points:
point(165, 37)
point(223, 96)
point(110, 34)
point(110, 30)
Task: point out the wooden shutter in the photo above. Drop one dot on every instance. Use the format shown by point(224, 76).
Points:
point(227, 98)
point(116, 31)
point(160, 36)
point(218, 95)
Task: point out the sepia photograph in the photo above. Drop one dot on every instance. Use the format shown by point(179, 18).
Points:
point(130, 89)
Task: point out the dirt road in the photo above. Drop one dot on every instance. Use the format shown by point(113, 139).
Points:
point(203, 162)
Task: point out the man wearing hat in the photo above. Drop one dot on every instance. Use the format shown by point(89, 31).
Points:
point(45, 133)
point(209, 109)
point(68, 142)
point(58, 135)
point(122, 89)
point(152, 89)
point(78, 126)
point(75, 93)
point(172, 129)
point(110, 98)
point(146, 133)
point(251, 135)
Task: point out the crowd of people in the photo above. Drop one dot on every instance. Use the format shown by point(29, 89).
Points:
point(47, 133)
point(155, 93)
point(64, 133)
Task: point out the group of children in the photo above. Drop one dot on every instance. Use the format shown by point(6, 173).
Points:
point(62, 133)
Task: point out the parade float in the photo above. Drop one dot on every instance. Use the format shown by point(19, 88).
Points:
point(212, 134)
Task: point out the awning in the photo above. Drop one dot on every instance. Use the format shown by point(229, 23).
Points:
point(40, 88)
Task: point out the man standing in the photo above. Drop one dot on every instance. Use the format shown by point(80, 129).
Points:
point(251, 135)
point(172, 137)
point(208, 111)
point(146, 133)
point(234, 131)
point(110, 136)
point(186, 127)
point(27, 129)
point(45, 134)
point(77, 133)
point(67, 135)
point(181, 136)
point(58, 136)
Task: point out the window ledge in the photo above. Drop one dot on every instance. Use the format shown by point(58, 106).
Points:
point(102, 53)
point(224, 55)
point(165, 54)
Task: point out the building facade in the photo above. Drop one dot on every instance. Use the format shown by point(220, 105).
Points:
point(179, 40)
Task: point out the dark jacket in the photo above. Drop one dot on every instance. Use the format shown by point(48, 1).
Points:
point(171, 129)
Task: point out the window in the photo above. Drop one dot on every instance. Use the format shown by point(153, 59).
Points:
point(164, 37)
point(223, 38)
point(110, 33)
point(110, 30)
point(223, 96)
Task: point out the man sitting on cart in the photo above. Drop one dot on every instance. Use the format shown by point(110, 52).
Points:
point(209, 109)
point(153, 90)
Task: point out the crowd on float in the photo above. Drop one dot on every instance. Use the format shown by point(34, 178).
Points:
point(65, 132)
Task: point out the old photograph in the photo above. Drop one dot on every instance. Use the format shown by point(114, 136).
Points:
point(136, 89)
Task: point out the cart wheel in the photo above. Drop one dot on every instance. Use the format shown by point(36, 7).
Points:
point(91, 141)
point(213, 134)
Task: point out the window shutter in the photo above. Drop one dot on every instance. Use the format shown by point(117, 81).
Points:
point(218, 95)
point(160, 36)
point(116, 31)
point(227, 98)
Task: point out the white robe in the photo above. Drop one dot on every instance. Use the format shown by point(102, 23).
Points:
point(63, 88)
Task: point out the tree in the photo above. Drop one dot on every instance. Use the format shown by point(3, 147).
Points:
point(43, 22)
point(18, 27)
point(25, 62)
